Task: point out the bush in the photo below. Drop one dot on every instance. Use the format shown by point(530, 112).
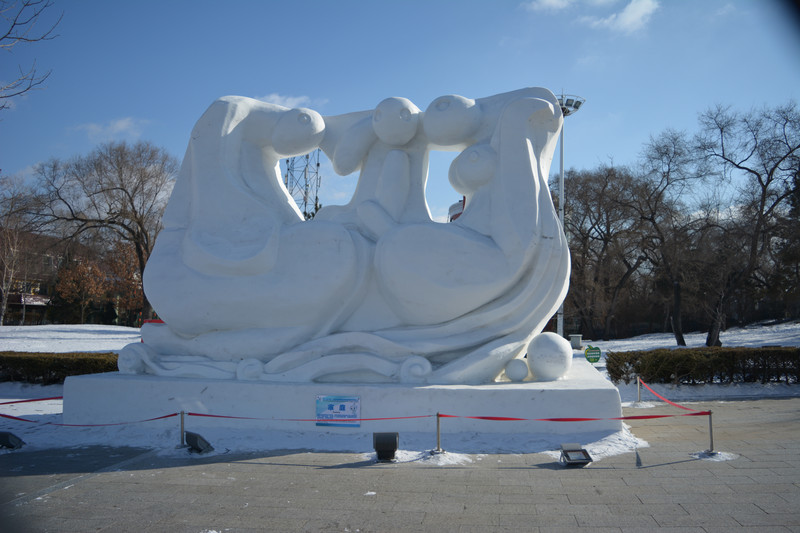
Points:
point(769, 364)
point(51, 368)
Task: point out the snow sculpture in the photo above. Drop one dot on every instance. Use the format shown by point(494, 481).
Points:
point(549, 356)
point(372, 291)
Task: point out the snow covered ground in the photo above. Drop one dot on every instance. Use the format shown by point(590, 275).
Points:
point(66, 338)
point(785, 334)
point(164, 435)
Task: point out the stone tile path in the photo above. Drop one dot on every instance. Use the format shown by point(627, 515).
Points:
point(661, 487)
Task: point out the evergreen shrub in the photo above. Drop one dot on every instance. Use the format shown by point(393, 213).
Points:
point(689, 366)
point(52, 368)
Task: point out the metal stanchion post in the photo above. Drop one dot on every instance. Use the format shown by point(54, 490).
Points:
point(183, 433)
point(438, 435)
point(638, 390)
point(710, 435)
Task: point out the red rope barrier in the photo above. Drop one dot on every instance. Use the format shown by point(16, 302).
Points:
point(87, 425)
point(498, 418)
point(33, 400)
point(17, 418)
point(311, 419)
point(657, 395)
point(635, 417)
point(112, 423)
point(645, 417)
point(223, 416)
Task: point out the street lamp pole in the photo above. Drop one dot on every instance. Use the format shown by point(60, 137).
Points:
point(569, 105)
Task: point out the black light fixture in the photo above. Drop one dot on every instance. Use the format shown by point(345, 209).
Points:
point(570, 104)
point(9, 440)
point(385, 445)
point(572, 454)
point(196, 443)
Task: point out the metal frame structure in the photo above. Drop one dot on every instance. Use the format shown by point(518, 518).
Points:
point(302, 179)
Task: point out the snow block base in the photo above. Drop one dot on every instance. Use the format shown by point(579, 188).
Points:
point(583, 393)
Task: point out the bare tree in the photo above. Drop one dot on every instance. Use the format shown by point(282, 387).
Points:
point(784, 280)
point(668, 175)
point(118, 191)
point(761, 151)
point(604, 243)
point(15, 223)
point(20, 24)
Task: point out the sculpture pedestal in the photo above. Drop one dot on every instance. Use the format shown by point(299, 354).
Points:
point(584, 393)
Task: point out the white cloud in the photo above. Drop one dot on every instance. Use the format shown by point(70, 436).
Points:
point(632, 18)
point(26, 173)
point(437, 216)
point(286, 101)
point(127, 128)
point(291, 101)
point(547, 5)
point(558, 5)
point(727, 9)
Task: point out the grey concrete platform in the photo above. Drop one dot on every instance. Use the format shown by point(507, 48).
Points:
point(661, 487)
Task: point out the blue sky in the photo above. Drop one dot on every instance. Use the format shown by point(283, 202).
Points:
point(148, 69)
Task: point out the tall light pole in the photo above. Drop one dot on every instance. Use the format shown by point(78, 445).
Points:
point(569, 106)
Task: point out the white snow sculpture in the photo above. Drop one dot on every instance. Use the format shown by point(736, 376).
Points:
point(372, 291)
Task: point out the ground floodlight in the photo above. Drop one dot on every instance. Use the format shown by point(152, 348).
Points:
point(572, 454)
point(197, 443)
point(385, 445)
point(9, 440)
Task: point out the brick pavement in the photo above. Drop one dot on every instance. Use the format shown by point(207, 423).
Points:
point(661, 487)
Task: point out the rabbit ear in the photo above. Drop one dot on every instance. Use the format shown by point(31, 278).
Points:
point(349, 153)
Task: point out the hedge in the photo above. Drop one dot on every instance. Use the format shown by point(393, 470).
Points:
point(770, 364)
point(50, 368)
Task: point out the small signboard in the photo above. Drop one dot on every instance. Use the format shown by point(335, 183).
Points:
point(592, 354)
point(342, 411)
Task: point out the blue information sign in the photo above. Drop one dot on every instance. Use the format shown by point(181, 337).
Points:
point(343, 411)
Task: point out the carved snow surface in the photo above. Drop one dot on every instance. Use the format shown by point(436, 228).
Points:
point(372, 291)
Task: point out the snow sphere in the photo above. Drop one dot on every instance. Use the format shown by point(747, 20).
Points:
point(395, 121)
point(549, 356)
point(517, 370)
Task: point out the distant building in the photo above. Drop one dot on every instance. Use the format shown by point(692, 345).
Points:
point(35, 278)
point(456, 209)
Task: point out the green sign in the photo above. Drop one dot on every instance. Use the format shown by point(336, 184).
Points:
point(592, 354)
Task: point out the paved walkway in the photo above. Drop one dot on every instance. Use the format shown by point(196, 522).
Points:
point(661, 487)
